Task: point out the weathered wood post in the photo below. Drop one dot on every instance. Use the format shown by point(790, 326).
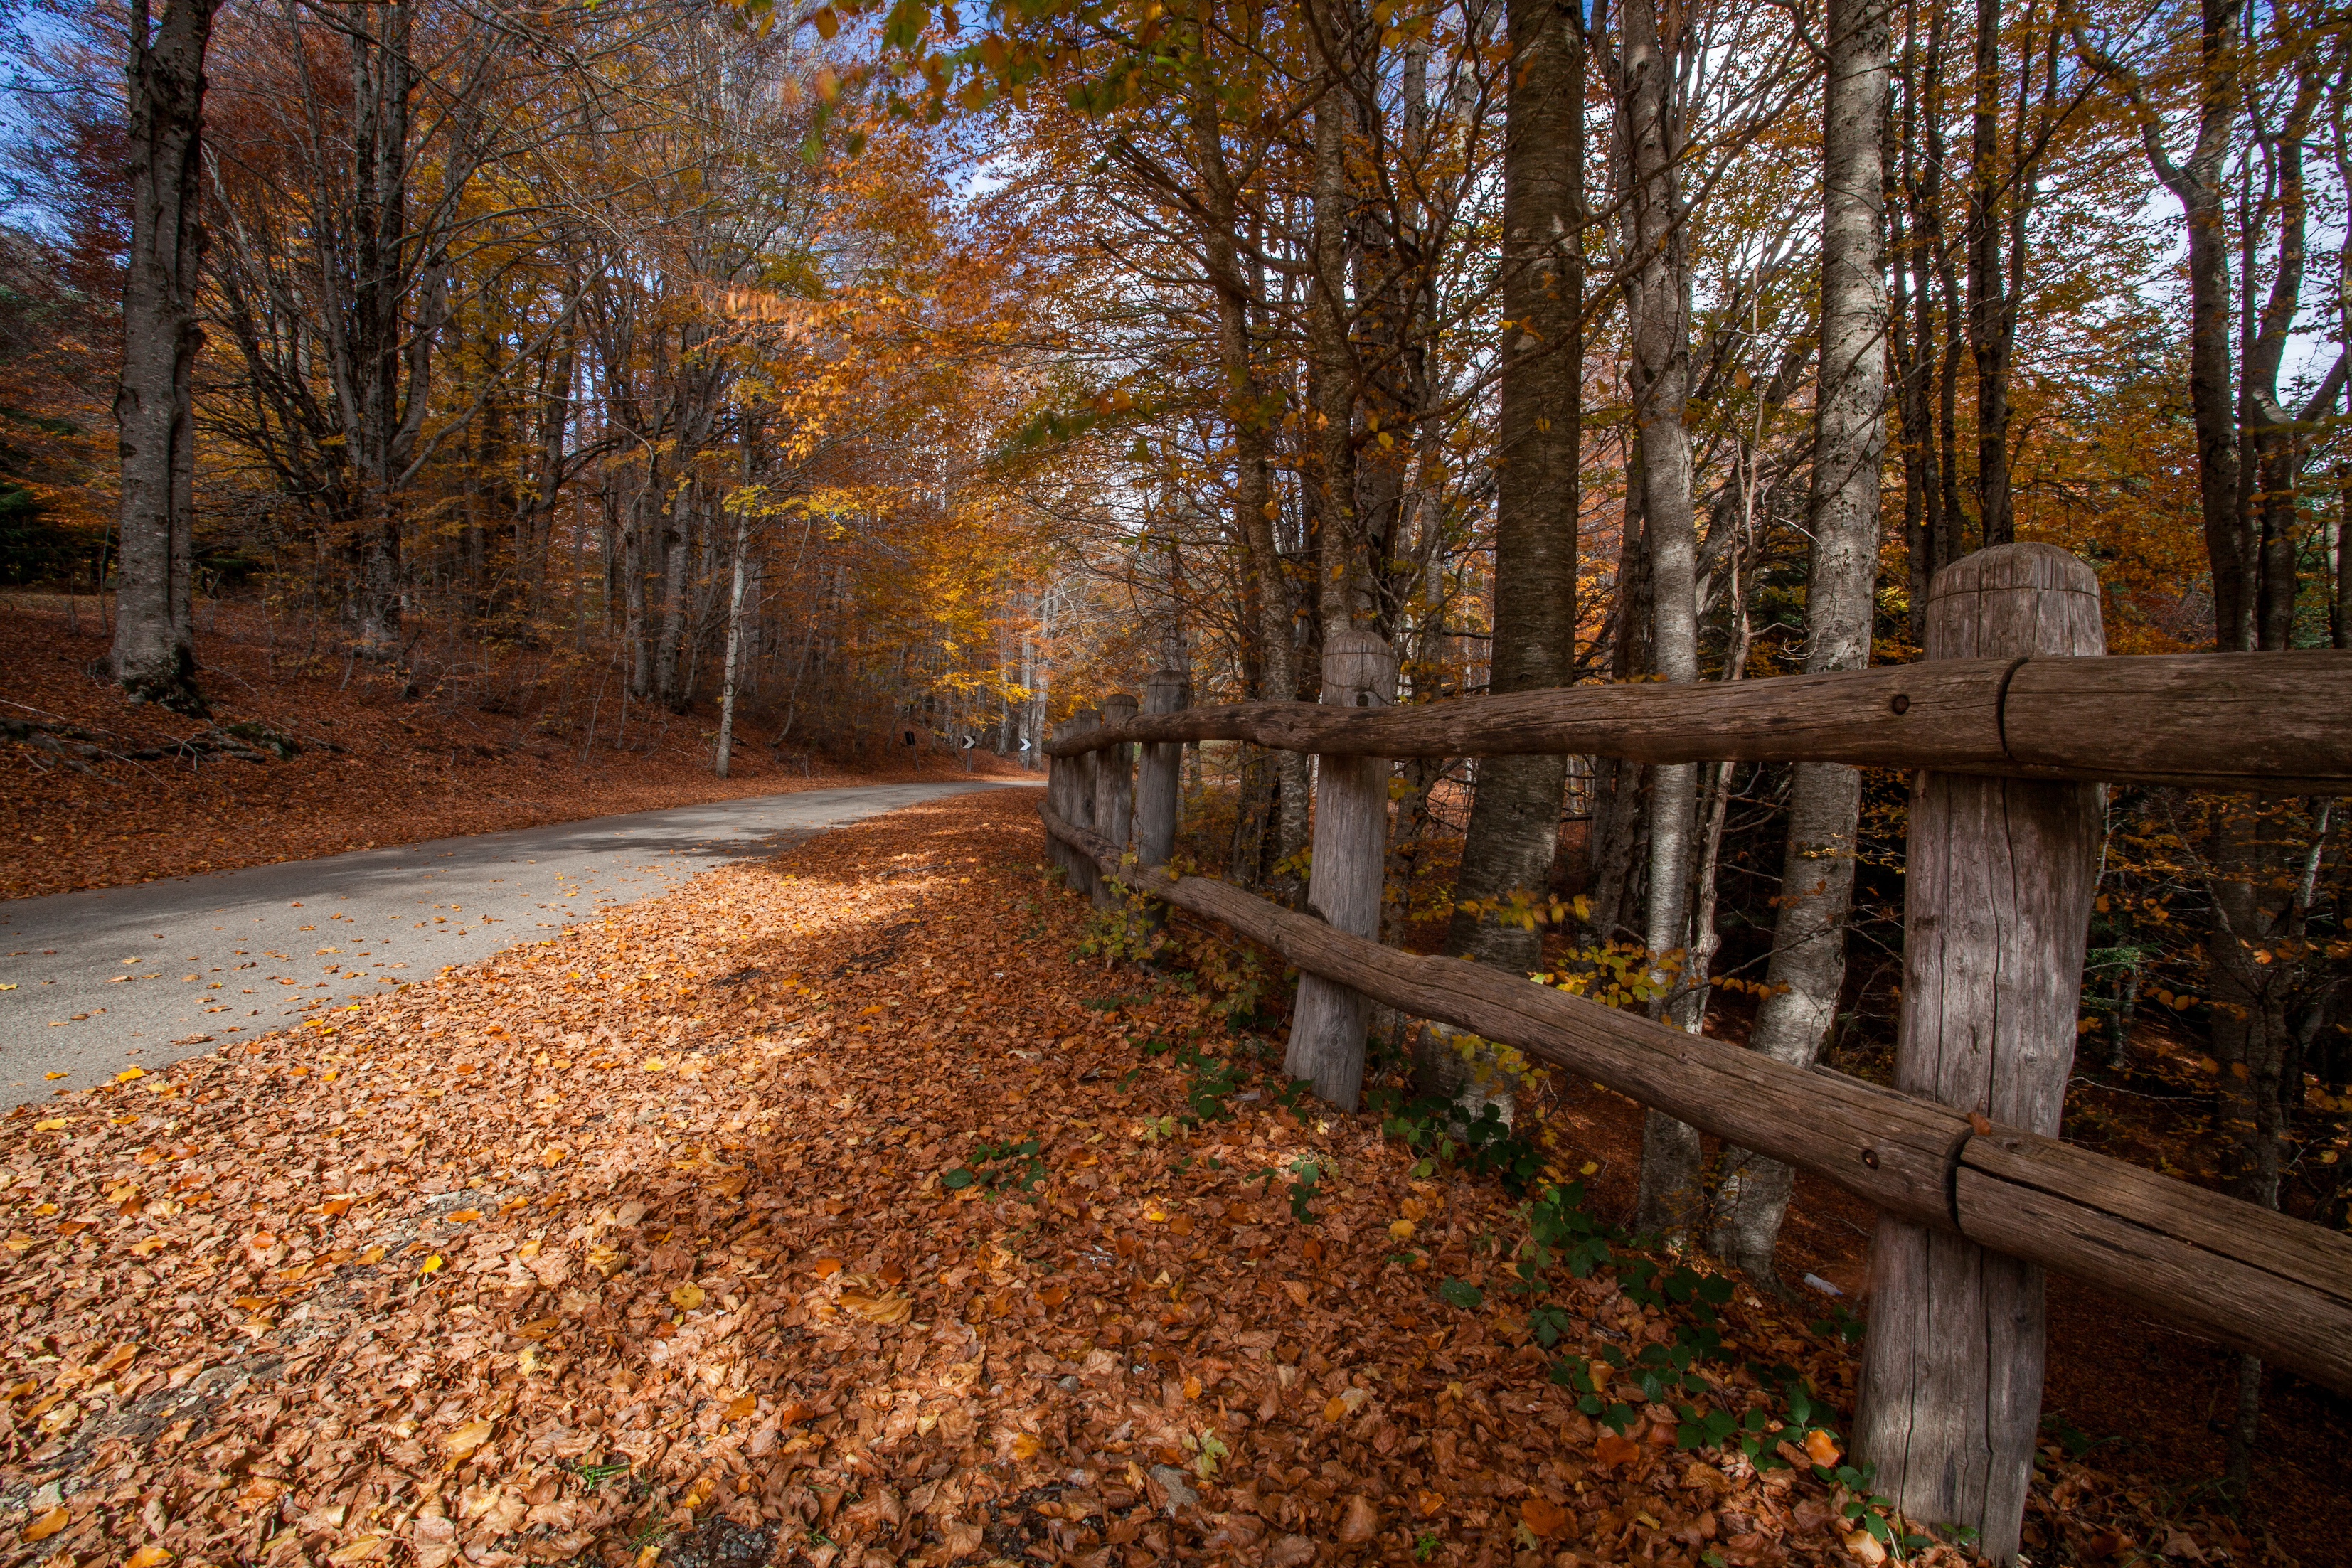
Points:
point(1351, 840)
point(1156, 786)
point(1060, 770)
point(1113, 792)
point(1999, 876)
point(1158, 790)
point(1083, 723)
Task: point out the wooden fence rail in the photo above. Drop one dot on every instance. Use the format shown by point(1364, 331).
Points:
point(2172, 718)
point(2243, 1275)
point(2009, 720)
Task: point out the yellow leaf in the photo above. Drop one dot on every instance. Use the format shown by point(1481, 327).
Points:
point(654, 1064)
point(48, 1524)
point(689, 1296)
point(826, 22)
point(1821, 1447)
point(605, 1260)
point(467, 1439)
point(149, 1557)
point(1588, 1168)
point(129, 1073)
point(465, 1216)
point(826, 1267)
point(51, 1124)
point(432, 1265)
point(373, 1255)
point(743, 1410)
point(53, 1077)
point(1402, 1229)
point(1024, 1446)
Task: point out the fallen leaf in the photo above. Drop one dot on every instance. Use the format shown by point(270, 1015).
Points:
point(459, 1444)
point(48, 1524)
point(1613, 1449)
point(1822, 1448)
point(687, 1296)
point(148, 1556)
point(873, 1301)
point(1544, 1517)
point(1362, 1522)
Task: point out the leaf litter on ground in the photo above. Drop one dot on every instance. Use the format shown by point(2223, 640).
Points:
point(645, 1244)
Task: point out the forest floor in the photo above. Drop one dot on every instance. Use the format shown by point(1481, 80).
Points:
point(836, 1209)
point(96, 791)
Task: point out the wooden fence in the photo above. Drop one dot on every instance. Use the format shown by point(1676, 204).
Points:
point(2011, 725)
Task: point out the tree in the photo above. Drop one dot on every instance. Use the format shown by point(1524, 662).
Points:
point(1539, 490)
point(154, 641)
point(1807, 971)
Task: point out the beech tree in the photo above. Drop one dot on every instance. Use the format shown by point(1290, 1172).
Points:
point(154, 648)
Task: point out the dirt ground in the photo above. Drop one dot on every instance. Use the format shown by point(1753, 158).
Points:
point(99, 792)
point(837, 1210)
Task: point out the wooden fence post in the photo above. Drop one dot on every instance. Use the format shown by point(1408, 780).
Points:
point(1157, 786)
point(1059, 773)
point(1999, 876)
point(1083, 875)
point(1113, 792)
point(1351, 839)
point(1157, 790)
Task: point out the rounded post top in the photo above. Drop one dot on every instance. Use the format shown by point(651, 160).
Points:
point(1358, 669)
point(1085, 718)
point(2015, 601)
point(1166, 691)
point(1117, 706)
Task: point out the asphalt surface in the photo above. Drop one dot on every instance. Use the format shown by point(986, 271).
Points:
point(93, 982)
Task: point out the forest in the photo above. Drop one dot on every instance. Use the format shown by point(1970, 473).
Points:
point(850, 372)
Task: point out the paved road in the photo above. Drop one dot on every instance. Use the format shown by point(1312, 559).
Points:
point(149, 974)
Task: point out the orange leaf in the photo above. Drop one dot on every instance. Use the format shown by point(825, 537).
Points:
point(1544, 1517)
point(1613, 1449)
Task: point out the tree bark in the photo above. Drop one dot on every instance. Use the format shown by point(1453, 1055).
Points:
point(1807, 970)
point(734, 646)
point(1659, 290)
point(1991, 329)
point(153, 655)
point(1514, 813)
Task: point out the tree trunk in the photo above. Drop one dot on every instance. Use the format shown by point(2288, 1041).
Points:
point(1807, 970)
point(1660, 325)
point(1990, 326)
point(1265, 591)
point(153, 655)
point(1515, 814)
point(734, 647)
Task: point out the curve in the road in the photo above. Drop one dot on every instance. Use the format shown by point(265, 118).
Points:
point(93, 983)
